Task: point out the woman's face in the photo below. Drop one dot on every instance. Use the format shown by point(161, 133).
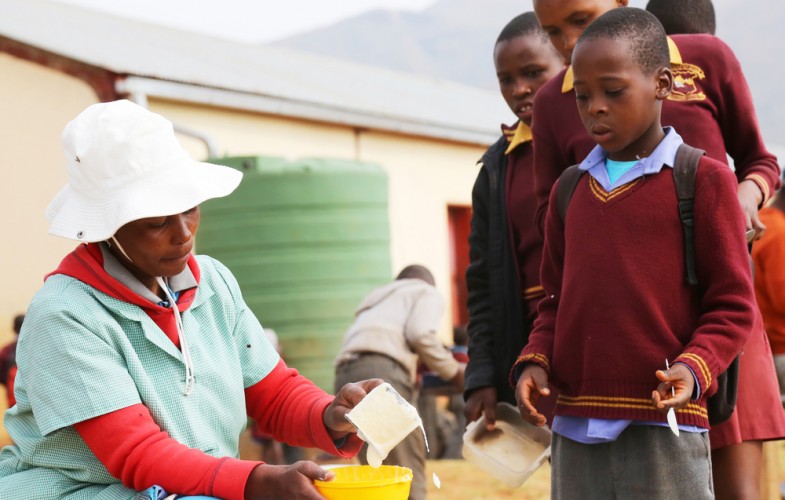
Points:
point(565, 20)
point(157, 246)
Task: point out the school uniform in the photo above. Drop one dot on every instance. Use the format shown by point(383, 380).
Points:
point(503, 277)
point(617, 306)
point(712, 109)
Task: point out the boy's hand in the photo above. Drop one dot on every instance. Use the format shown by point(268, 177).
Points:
point(482, 400)
point(681, 379)
point(532, 385)
point(347, 398)
point(750, 198)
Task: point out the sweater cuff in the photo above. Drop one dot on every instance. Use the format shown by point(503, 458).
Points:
point(762, 185)
point(230, 477)
point(524, 359)
point(700, 370)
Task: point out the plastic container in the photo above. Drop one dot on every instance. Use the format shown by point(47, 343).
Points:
point(512, 451)
point(383, 419)
point(363, 482)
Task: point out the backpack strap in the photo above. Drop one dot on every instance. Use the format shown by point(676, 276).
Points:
point(566, 187)
point(684, 169)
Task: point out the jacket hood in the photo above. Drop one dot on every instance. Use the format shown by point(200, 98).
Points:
point(381, 293)
point(86, 264)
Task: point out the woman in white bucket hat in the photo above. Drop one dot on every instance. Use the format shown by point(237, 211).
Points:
point(140, 362)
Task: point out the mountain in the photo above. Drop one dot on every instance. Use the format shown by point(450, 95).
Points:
point(453, 40)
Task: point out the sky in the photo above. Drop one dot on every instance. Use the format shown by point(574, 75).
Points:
point(251, 21)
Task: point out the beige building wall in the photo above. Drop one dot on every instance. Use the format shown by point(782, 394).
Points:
point(425, 175)
point(36, 103)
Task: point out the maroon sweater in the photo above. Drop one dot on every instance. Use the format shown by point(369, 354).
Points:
point(521, 208)
point(711, 107)
point(618, 303)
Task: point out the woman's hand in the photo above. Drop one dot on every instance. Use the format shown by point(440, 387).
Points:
point(286, 481)
point(532, 385)
point(750, 198)
point(683, 382)
point(346, 399)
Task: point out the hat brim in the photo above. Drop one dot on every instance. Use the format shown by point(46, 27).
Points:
point(170, 191)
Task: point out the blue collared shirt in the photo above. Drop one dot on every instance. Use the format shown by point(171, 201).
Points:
point(600, 430)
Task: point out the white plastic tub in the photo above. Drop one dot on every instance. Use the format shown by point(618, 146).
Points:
point(512, 451)
point(383, 419)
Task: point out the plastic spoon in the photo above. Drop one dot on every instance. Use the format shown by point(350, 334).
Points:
point(671, 412)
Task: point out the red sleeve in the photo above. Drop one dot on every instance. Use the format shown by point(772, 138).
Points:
point(134, 449)
point(290, 407)
point(550, 159)
point(539, 348)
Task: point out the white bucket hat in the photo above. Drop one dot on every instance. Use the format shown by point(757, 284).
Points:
point(125, 164)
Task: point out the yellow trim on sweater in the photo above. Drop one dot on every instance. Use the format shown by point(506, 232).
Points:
point(762, 184)
point(532, 292)
point(625, 402)
point(538, 358)
point(704, 368)
point(604, 196)
point(569, 78)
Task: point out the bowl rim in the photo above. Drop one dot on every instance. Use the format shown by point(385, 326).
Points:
point(405, 477)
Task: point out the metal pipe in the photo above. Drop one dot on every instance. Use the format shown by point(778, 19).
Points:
point(140, 98)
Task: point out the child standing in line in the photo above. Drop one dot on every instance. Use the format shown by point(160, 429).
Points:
point(503, 277)
point(617, 305)
point(712, 108)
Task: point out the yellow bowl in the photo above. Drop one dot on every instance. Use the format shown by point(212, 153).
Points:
point(361, 482)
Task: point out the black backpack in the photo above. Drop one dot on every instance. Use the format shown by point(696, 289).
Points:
point(721, 404)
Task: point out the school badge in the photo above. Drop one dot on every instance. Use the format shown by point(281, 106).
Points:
point(685, 83)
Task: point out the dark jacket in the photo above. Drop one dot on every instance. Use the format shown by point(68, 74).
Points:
point(496, 321)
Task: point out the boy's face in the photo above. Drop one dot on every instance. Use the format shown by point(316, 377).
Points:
point(565, 20)
point(523, 65)
point(619, 104)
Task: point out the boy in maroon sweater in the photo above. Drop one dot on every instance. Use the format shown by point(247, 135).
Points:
point(617, 304)
point(505, 248)
point(712, 109)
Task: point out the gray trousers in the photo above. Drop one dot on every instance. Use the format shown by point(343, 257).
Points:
point(645, 462)
point(411, 451)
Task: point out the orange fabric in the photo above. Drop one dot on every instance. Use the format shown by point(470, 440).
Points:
point(768, 255)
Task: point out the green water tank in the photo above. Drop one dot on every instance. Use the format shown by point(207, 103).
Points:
point(306, 240)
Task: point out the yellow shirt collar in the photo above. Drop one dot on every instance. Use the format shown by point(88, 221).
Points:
point(569, 79)
point(520, 135)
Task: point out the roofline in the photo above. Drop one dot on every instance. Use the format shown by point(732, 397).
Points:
point(142, 87)
point(101, 80)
